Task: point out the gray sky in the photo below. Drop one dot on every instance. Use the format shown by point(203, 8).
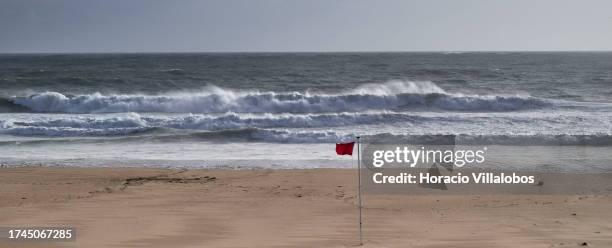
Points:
point(305, 25)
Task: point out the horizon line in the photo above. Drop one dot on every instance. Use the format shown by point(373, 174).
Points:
point(280, 52)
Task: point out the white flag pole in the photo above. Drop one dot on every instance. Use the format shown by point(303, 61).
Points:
point(359, 188)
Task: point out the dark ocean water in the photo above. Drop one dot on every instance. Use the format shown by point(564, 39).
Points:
point(146, 101)
point(570, 76)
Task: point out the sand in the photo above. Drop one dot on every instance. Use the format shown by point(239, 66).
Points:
point(138, 207)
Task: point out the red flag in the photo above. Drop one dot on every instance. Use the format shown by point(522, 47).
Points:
point(345, 148)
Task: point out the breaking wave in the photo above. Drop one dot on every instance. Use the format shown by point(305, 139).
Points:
point(395, 95)
point(411, 128)
point(96, 125)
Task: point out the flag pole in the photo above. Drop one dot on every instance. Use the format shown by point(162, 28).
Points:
point(359, 187)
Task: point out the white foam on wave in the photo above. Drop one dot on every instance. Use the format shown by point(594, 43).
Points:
point(316, 128)
point(392, 95)
point(394, 87)
point(116, 124)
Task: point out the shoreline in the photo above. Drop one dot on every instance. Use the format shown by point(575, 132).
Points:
point(154, 207)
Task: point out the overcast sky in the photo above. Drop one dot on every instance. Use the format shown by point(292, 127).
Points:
point(305, 25)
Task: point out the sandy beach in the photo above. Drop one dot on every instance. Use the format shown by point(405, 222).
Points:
point(138, 207)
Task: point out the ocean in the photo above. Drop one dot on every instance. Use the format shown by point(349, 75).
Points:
point(287, 110)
